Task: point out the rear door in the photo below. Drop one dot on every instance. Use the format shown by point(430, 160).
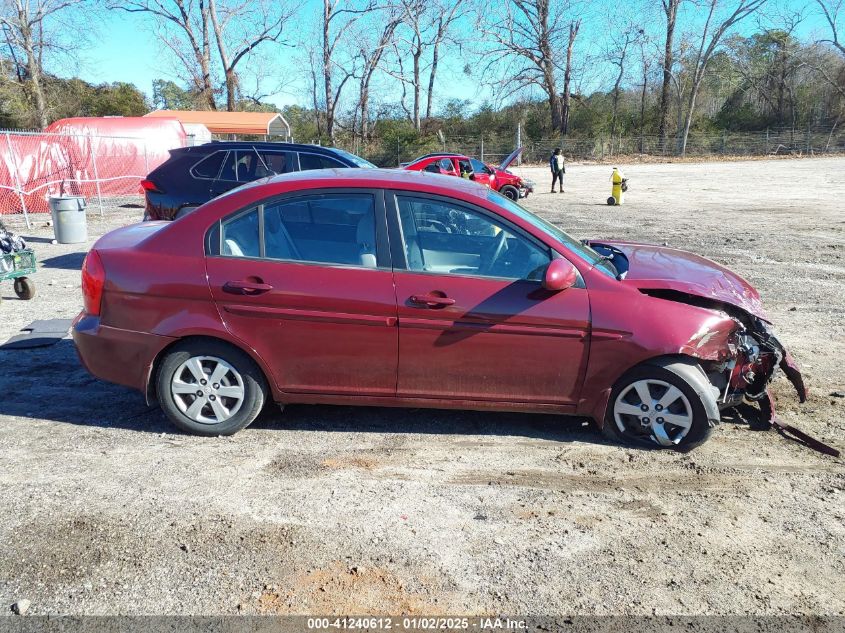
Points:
point(305, 280)
point(474, 320)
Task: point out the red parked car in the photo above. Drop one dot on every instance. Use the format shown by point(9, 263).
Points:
point(498, 178)
point(385, 287)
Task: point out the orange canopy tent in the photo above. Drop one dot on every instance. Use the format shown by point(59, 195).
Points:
point(261, 123)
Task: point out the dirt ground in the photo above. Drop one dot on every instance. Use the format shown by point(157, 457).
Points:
point(107, 510)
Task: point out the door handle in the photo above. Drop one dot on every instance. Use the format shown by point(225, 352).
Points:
point(432, 301)
point(246, 287)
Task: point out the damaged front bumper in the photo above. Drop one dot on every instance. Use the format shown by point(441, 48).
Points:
point(526, 187)
point(755, 355)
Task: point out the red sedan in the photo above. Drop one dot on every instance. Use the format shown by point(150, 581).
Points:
point(395, 288)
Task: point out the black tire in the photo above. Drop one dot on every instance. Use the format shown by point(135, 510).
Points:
point(254, 386)
point(509, 191)
point(24, 288)
point(693, 384)
point(611, 201)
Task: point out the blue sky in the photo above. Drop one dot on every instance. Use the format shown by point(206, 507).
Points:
point(125, 49)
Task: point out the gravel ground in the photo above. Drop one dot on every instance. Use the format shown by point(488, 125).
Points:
point(107, 510)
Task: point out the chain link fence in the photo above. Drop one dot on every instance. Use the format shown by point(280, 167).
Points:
point(107, 170)
point(493, 149)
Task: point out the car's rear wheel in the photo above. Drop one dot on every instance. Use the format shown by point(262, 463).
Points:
point(210, 388)
point(510, 192)
point(664, 406)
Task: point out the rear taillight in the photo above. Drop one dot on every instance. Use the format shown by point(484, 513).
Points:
point(149, 185)
point(93, 280)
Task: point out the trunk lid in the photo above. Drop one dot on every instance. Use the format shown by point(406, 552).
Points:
point(129, 236)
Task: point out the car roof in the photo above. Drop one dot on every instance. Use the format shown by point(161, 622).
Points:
point(294, 147)
point(440, 155)
point(366, 178)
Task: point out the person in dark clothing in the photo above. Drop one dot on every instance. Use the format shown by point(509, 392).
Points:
point(558, 168)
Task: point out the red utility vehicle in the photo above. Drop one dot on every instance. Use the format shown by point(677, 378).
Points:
point(386, 287)
point(497, 178)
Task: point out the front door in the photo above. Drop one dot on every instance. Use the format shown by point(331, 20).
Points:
point(306, 282)
point(474, 320)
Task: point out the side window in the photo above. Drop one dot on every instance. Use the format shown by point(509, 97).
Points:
point(331, 229)
point(479, 167)
point(270, 163)
point(245, 165)
point(209, 166)
point(442, 237)
point(240, 235)
point(434, 168)
point(315, 161)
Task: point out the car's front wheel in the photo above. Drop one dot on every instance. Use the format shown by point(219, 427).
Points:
point(510, 191)
point(210, 388)
point(669, 406)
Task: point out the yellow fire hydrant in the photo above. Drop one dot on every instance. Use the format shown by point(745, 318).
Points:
point(620, 186)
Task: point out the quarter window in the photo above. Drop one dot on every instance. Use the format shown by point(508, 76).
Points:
point(442, 237)
point(240, 235)
point(209, 166)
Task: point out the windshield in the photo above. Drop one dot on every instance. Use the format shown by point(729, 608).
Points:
point(576, 246)
point(359, 162)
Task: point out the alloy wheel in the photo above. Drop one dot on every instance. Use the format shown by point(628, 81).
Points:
point(653, 409)
point(207, 389)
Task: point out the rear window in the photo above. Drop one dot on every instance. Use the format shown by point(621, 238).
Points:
point(209, 166)
point(314, 161)
point(355, 160)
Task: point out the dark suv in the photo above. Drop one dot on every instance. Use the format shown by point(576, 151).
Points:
point(195, 175)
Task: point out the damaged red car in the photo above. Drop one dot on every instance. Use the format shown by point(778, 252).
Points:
point(384, 287)
point(498, 178)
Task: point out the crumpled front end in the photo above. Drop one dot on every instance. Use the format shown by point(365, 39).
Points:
point(742, 364)
point(756, 354)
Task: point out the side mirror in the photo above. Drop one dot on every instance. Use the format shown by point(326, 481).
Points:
point(560, 275)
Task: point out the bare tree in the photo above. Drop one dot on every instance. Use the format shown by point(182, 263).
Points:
point(833, 12)
point(618, 55)
point(371, 55)
point(566, 101)
point(183, 23)
point(712, 32)
point(526, 36)
point(239, 28)
point(670, 10)
point(768, 63)
point(646, 61)
point(337, 18)
point(445, 16)
point(413, 42)
point(28, 36)
point(834, 15)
